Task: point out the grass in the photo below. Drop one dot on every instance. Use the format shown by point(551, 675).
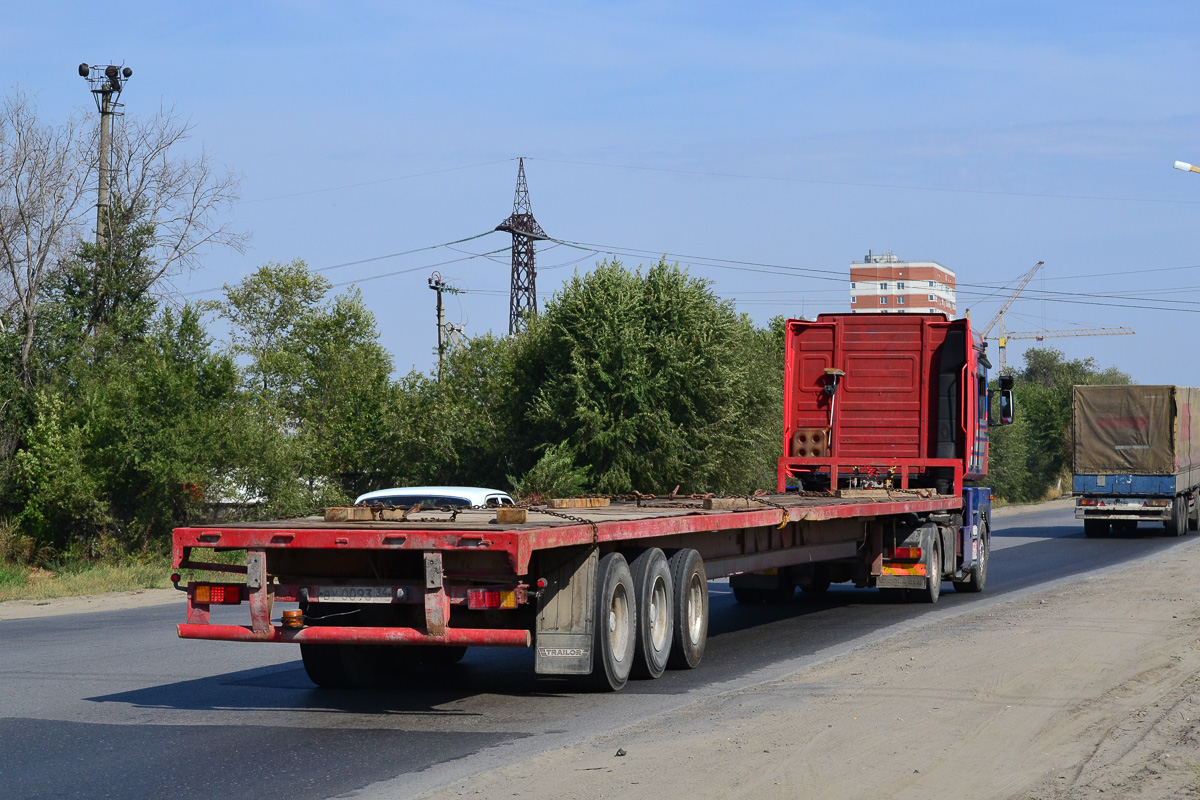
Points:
point(72, 579)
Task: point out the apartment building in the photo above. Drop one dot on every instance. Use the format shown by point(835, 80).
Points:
point(884, 283)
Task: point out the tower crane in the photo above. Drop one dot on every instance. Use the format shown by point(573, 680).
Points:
point(999, 316)
point(1004, 336)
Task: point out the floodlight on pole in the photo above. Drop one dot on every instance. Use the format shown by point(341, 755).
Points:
point(106, 81)
point(1186, 167)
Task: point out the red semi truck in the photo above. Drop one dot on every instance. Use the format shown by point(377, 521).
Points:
point(885, 431)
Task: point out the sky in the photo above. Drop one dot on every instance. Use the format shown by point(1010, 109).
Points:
point(764, 146)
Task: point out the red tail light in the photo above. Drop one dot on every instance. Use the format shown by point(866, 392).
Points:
point(907, 554)
point(501, 597)
point(217, 594)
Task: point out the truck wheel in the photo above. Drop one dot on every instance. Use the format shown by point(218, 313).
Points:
point(1177, 525)
point(1095, 528)
point(615, 624)
point(978, 576)
point(933, 578)
point(341, 666)
point(690, 607)
point(1194, 512)
point(652, 584)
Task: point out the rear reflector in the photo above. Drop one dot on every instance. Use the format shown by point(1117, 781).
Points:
point(218, 594)
point(492, 598)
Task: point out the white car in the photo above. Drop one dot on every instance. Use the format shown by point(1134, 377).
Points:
point(436, 497)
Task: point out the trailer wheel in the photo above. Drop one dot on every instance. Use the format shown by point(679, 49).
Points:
point(749, 595)
point(978, 576)
point(655, 623)
point(1193, 512)
point(690, 609)
point(613, 641)
point(1095, 528)
point(341, 666)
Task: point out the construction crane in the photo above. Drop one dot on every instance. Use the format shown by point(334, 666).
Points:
point(999, 317)
point(1004, 336)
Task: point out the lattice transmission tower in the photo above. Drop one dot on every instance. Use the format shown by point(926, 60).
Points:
point(522, 302)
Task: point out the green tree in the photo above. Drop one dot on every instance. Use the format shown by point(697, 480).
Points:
point(317, 385)
point(1031, 457)
point(651, 381)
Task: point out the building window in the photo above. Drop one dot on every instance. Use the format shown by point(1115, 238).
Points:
point(900, 286)
point(851, 284)
point(853, 299)
point(932, 284)
point(883, 301)
point(899, 301)
point(883, 286)
point(932, 298)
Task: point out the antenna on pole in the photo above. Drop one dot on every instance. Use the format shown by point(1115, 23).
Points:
point(107, 81)
point(522, 302)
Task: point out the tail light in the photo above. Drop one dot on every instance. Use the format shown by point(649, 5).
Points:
point(217, 594)
point(906, 554)
point(495, 597)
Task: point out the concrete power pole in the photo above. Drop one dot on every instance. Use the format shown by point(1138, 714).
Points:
point(106, 81)
point(438, 285)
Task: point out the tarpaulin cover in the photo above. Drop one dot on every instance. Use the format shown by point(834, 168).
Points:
point(1143, 430)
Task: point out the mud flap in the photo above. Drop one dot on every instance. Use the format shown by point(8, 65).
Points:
point(566, 615)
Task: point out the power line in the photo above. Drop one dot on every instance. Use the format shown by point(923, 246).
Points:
point(783, 179)
point(373, 259)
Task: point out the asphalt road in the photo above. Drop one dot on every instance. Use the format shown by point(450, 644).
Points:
point(113, 705)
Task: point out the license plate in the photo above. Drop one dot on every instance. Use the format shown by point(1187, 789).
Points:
point(355, 594)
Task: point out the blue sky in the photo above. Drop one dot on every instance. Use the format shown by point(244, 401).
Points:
point(985, 136)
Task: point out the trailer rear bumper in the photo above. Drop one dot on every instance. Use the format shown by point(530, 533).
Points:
point(470, 637)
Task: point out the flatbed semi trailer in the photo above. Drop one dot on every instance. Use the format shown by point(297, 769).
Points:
point(621, 589)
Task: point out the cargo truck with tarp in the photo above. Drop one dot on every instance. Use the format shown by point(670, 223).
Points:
point(1136, 458)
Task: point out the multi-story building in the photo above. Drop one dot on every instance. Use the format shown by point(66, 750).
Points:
point(885, 283)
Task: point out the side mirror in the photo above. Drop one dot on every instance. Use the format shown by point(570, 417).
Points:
point(1006, 405)
point(1006, 382)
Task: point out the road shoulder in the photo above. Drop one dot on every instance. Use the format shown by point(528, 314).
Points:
point(1091, 686)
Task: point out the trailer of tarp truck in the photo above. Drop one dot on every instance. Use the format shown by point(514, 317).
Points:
point(885, 438)
point(1136, 458)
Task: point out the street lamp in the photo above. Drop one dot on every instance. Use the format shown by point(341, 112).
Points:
point(1186, 167)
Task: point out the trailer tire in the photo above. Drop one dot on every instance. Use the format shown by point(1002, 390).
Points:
point(615, 634)
point(655, 622)
point(341, 666)
point(690, 609)
point(1096, 528)
point(978, 576)
point(749, 595)
point(1193, 512)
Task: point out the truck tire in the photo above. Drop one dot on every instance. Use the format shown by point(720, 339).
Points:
point(1095, 528)
point(690, 609)
point(978, 577)
point(1177, 525)
point(933, 578)
point(615, 634)
point(1193, 512)
point(655, 622)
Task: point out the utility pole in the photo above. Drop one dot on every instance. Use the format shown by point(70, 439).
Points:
point(522, 302)
point(106, 81)
point(438, 285)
